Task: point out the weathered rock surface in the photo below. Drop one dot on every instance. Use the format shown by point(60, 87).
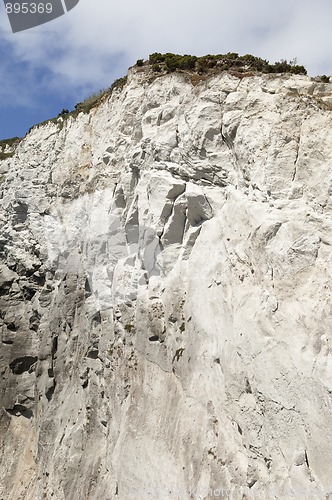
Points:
point(166, 296)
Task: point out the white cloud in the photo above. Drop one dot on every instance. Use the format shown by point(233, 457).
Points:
point(96, 41)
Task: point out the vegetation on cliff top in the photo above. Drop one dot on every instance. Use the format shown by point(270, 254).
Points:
point(220, 62)
point(240, 66)
point(205, 65)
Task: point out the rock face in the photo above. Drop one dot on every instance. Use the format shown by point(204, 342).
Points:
point(166, 295)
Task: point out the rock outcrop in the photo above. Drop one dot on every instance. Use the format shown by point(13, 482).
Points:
point(166, 295)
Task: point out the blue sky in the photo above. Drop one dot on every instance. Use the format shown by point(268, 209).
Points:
point(52, 67)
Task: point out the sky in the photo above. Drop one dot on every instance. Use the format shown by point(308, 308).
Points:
point(51, 67)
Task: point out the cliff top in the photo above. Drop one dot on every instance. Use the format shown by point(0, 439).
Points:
point(197, 68)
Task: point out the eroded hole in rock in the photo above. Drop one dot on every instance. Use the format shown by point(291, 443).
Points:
point(38, 279)
point(54, 346)
point(34, 321)
point(154, 338)
point(12, 327)
point(49, 393)
point(24, 364)
point(306, 459)
point(8, 342)
point(97, 318)
point(178, 354)
point(21, 213)
point(29, 272)
point(20, 410)
point(87, 288)
point(93, 354)
point(248, 387)
point(28, 293)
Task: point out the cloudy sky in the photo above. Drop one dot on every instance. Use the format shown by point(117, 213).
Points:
point(52, 67)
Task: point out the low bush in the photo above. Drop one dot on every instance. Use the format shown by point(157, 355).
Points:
point(8, 143)
point(119, 83)
point(64, 112)
point(156, 58)
point(4, 156)
point(89, 102)
point(209, 63)
point(156, 68)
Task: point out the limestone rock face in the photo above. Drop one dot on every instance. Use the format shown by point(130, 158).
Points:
point(165, 305)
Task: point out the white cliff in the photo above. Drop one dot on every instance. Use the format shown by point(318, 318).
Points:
point(166, 295)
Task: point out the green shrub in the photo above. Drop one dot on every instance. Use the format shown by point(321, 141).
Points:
point(156, 58)
point(231, 55)
point(325, 79)
point(284, 67)
point(89, 102)
point(9, 142)
point(253, 62)
point(249, 58)
point(64, 112)
point(224, 67)
point(119, 83)
point(156, 68)
point(298, 70)
point(12, 142)
point(4, 156)
point(140, 62)
point(231, 60)
point(173, 61)
point(281, 66)
point(202, 64)
point(269, 68)
point(187, 62)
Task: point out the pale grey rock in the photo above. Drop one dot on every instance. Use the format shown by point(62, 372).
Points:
point(165, 295)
